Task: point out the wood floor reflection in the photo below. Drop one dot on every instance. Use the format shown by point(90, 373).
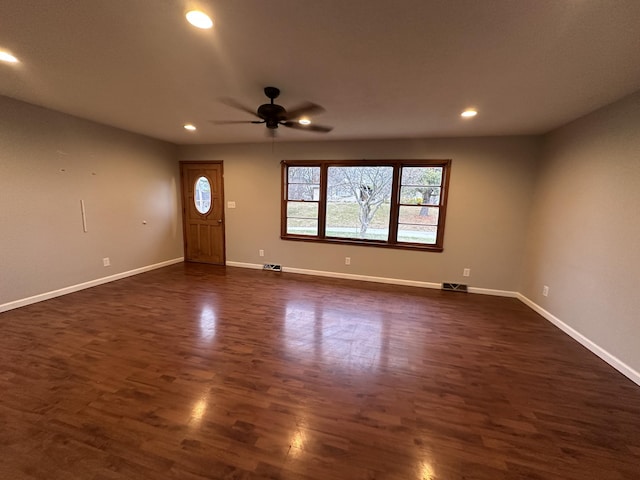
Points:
point(201, 372)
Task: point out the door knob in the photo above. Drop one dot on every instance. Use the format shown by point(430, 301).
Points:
point(220, 221)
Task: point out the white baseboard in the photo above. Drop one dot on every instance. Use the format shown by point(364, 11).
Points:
point(611, 359)
point(347, 276)
point(368, 278)
point(81, 286)
point(495, 293)
point(254, 266)
point(362, 278)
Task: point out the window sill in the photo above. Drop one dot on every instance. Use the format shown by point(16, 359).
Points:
point(367, 243)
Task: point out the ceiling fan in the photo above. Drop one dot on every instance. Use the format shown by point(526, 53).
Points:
point(274, 115)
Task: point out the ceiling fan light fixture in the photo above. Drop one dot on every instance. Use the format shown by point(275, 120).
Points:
point(199, 19)
point(304, 121)
point(7, 57)
point(469, 113)
point(190, 127)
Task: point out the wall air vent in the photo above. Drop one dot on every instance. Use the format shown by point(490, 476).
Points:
point(454, 287)
point(274, 267)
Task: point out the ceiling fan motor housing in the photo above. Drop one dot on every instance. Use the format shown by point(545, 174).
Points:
point(272, 114)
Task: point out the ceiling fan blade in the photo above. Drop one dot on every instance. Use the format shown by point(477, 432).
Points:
point(229, 122)
point(312, 128)
point(305, 109)
point(230, 102)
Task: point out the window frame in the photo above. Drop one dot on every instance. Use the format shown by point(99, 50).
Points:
point(395, 204)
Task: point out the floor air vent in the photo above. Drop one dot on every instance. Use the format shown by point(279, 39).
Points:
point(272, 267)
point(454, 287)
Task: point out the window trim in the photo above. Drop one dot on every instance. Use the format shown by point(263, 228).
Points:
point(394, 210)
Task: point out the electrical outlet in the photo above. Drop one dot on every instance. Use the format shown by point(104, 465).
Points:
point(106, 262)
point(347, 260)
point(545, 291)
point(466, 272)
point(261, 252)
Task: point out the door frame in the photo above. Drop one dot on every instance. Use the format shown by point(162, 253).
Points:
point(222, 207)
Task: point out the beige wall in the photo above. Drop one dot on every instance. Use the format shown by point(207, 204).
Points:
point(48, 163)
point(584, 238)
point(489, 200)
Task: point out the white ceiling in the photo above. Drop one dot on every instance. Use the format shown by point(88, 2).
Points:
point(381, 68)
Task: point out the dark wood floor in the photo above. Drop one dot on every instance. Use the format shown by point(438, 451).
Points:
point(201, 372)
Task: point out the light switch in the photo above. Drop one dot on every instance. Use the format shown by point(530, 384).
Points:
point(231, 204)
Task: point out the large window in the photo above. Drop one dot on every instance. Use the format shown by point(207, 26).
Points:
point(399, 204)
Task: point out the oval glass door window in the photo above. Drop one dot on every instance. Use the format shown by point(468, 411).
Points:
point(202, 195)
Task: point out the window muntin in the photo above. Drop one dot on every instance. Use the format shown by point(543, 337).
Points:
point(399, 203)
point(202, 195)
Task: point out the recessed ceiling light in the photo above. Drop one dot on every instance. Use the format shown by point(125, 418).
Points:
point(469, 113)
point(189, 127)
point(7, 57)
point(304, 121)
point(199, 19)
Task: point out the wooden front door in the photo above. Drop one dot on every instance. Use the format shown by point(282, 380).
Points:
point(203, 212)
